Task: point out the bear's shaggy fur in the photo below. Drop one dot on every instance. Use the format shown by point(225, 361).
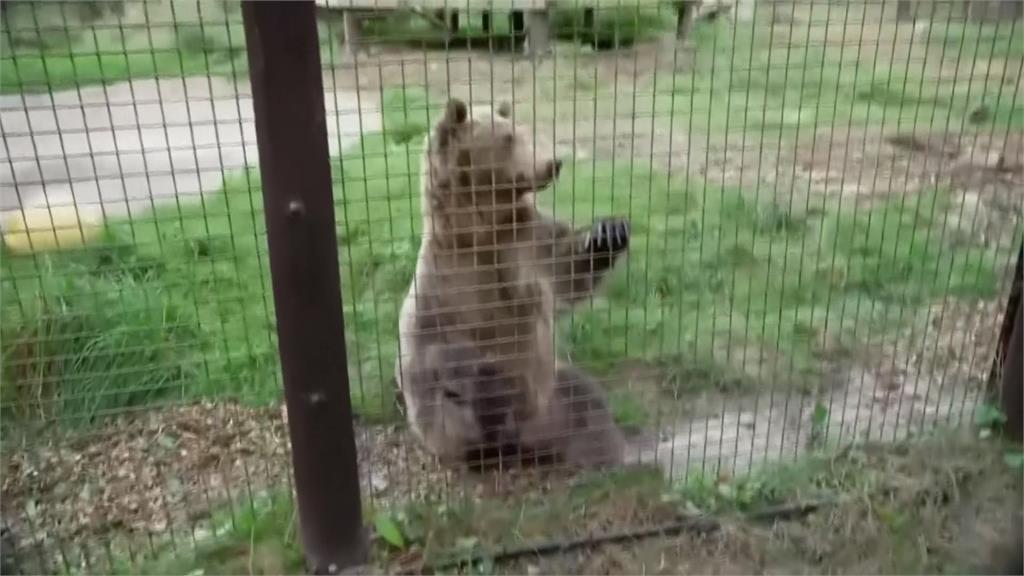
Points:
point(476, 328)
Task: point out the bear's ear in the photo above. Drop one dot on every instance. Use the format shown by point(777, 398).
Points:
point(505, 110)
point(456, 112)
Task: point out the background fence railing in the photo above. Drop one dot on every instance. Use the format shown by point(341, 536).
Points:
point(825, 201)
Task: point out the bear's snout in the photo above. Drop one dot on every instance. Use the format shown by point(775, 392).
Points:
point(548, 173)
point(555, 168)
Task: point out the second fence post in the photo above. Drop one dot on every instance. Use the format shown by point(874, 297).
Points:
point(291, 129)
point(1010, 356)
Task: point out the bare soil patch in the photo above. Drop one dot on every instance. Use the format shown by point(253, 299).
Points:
point(168, 469)
point(161, 475)
point(146, 473)
point(917, 507)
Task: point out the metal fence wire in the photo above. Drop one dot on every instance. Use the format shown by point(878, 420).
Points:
point(823, 201)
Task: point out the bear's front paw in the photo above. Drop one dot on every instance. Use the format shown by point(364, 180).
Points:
point(608, 235)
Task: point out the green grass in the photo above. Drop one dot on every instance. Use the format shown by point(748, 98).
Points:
point(711, 273)
point(407, 114)
point(89, 338)
point(711, 276)
point(720, 292)
point(166, 307)
point(47, 48)
point(921, 506)
point(778, 81)
point(178, 304)
point(32, 72)
point(973, 41)
point(263, 541)
point(259, 539)
point(614, 26)
point(51, 50)
point(713, 280)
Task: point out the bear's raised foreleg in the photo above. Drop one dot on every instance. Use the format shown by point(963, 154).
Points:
point(577, 260)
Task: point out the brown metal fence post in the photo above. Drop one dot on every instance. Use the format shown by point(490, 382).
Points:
point(291, 130)
point(1004, 346)
point(1010, 356)
point(1013, 388)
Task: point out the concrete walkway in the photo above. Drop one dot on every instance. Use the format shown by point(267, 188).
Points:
point(118, 149)
point(750, 432)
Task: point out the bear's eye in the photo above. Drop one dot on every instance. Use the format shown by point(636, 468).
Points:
point(508, 140)
point(453, 396)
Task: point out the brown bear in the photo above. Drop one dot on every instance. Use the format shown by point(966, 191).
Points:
point(490, 273)
point(465, 410)
point(576, 430)
point(478, 417)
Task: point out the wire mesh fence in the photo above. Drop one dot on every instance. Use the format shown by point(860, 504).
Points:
point(823, 202)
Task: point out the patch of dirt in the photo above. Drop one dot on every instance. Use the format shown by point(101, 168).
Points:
point(146, 474)
point(394, 470)
point(589, 103)
point(862, 164)
point(602, 105)
point(161, 474)
point(932, 374)
point(927, 500)
point(859, 165)
point(729, 551)
point(940, 504)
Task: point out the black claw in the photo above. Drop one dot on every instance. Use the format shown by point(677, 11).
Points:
point(609, 235)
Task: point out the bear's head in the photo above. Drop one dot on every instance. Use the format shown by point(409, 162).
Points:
point(482, 164)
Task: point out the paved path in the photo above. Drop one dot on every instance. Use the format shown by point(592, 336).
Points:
point(119, 148)
point(748, 433)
